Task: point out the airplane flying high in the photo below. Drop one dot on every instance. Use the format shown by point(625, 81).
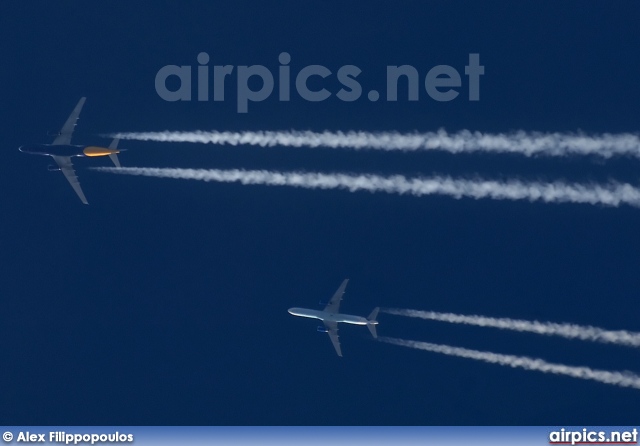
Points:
point(330, 316)
point(61, 151)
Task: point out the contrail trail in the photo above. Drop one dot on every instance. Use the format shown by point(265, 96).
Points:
point(622, 379)
point(569, 331)
point(612, 194)
point(605, 145)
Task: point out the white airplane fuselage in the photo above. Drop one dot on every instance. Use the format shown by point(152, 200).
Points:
point(331, 317)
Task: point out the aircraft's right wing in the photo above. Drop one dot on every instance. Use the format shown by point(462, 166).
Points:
point(67, 169)
point(67, 129)
point(332, 330)
point(334, 304)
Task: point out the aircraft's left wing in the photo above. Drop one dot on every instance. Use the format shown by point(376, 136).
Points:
point(67, 169)
point(67, 129)
point(334, 304)
point(332, 330)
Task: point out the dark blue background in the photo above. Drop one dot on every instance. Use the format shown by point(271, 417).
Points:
point(164, 302)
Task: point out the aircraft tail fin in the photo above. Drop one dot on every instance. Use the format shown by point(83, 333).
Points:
point(372, 322)
point(113, 156)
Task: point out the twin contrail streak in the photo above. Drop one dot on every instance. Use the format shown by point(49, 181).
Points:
point(569, 331)
point(612, 194)
point(525, 143)
point(622, 379)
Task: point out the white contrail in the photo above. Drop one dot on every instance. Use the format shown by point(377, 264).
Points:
point(570, 331)
point(612, 194)
point(623, 379)
point(604, 145)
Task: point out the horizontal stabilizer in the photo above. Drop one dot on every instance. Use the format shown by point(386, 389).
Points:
point(372, 329)
point(372, 322)
point(113, 156)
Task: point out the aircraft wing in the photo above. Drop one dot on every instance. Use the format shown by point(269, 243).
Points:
point(67, 169)
point(332, 330)
point(67, 129)
point(334, 304)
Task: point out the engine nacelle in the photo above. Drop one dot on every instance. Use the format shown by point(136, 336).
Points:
point(52, 168)
point(322, 329)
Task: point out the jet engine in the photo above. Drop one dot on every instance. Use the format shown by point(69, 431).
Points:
point(52, 168)
point(322, 329)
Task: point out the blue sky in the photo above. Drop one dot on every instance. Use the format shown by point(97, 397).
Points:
point(164, 301)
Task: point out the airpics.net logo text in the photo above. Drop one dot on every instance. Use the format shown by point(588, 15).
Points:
point(441, 83)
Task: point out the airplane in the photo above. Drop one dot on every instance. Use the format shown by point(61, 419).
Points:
point(330, 316)
point(61, 151)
